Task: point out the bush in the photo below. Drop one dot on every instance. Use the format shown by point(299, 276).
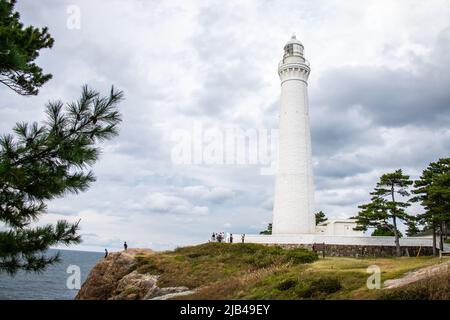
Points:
point(300, 255)
point(193, 255)
point(246, 248)
point(322, 287)
point(260, 260)
point(287, 284)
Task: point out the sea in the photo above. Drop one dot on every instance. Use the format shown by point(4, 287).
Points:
point(58, 282)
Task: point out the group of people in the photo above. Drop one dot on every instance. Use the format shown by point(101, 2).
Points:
point(222, 237)
point(216, 237)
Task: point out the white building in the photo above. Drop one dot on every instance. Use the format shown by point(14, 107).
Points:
point(334, 227)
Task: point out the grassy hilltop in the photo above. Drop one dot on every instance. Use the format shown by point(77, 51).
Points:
point(251, 271)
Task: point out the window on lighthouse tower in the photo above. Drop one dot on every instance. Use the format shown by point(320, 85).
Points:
point(290, 49)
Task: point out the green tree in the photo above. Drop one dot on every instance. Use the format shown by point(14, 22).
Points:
point(320, 217)
point(385, 209)
point(413, 228)
point(42, 162)
point(439, 196)
point(19, 48)
point(268, 231)
point(432, 191)
point(384, 231)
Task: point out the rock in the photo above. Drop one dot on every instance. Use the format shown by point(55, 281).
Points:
point(173, 295)
point(153, 294)
point(104, 278)
point(417, 275)
point(135, 286)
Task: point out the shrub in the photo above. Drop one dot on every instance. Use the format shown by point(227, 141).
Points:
point(300, 255)
point(147, 265)
point(193, 255)
point(246, 248)
point(260, 260)
point(287, 284)
point(322, 287)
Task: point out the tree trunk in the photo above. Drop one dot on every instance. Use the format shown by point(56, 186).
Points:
point(434, 241)
point(397, 239)
point(445, 225)
point(394, 220)
point(441, 236)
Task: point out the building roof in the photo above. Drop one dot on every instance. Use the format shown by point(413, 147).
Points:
point(294, 40)
point(329, 221)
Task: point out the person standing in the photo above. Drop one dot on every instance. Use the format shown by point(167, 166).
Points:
point(213, 237)
point(125, 246)
point(243, 237)
point(231, 238)
point(106, 253)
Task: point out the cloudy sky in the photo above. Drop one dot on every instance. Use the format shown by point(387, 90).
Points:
point(379, 100)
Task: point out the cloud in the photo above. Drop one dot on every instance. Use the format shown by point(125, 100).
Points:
point(166, 203)
point(215, 194)
point(394, 96)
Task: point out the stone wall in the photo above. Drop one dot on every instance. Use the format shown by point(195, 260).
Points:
point(339, 240)
point(333, 250)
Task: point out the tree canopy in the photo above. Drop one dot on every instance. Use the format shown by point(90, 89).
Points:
point(432, 191)
point(19, 48)
point(268, 231)
point(320, 217)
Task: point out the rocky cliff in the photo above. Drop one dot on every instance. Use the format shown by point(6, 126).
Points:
point(114, 278)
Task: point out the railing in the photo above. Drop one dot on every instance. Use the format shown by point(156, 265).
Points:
point(287, 65)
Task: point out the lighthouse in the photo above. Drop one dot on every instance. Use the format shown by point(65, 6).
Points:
point(294, 193)
point(293, 219)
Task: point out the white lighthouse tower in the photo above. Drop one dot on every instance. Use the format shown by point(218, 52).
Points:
point(293, 219)
point(294, 193)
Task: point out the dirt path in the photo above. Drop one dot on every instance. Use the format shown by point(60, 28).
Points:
point(417, 275)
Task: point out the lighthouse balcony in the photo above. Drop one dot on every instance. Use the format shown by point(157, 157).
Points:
point(283, 63)
point(301, 70)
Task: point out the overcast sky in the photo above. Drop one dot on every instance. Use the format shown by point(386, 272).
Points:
point(379, 95)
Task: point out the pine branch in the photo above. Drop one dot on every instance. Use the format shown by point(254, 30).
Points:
point(42, 162)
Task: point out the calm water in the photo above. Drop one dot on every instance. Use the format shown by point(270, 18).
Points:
point(50, 284)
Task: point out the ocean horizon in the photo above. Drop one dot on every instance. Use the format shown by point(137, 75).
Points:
point(50, 284)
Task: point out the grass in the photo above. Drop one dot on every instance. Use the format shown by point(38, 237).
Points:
point(208, 263)
point(432, 288)
point(252, 271)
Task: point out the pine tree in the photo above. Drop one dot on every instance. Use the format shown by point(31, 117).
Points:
point(432, 190)
point(384, 231)
point(385, 209)
point(268, 231)
point(19, 48)
point(320, 217)
point(413, 228)
point(439, 196)
point(40, 162)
